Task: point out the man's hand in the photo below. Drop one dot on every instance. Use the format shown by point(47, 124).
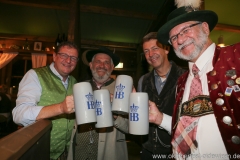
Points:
point(155, 116)
point(133, 90)
point(67, 106)
point(111, 97)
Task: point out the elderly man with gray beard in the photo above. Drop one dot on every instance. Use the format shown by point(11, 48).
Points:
point(104, 143)
point(205, 123)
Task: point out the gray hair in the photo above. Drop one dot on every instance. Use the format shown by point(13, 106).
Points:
point(103, 53)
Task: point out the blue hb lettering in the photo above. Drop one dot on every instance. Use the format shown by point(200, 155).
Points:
point(90, 105)
point(134, 117)
point(99, 111)
point(119, 95)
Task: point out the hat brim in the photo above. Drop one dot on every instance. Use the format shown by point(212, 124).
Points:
point(84, 59)
point(91, 53)
point(203, 16)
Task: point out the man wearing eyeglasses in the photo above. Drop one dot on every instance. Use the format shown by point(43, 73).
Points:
point(46, 93)
point(205, 122)
point(160, 85)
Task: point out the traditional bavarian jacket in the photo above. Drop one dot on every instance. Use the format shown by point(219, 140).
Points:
point(223, 85)
point(53, 92)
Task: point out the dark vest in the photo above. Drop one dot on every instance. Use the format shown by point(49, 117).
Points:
point(165, 102)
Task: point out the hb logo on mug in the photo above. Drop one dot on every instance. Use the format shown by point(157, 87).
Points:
point(138, 113)
point(119, 92)
point(84, 103)
point(90, 102)
point(123, 88)
point(98, 108)
point(103, 108)
point(133, 113)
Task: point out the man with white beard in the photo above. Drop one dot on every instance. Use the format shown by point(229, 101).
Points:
point(205, 123)
point(104, 143)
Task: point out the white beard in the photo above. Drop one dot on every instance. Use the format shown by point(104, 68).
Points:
point(100, 79)
point(198, 47)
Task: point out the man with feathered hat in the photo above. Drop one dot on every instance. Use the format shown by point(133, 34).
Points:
point(205, 122)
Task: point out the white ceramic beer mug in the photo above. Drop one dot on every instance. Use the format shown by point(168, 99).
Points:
point(138, 113)
point(84, 103)
point(103, 108)
point(123, 88)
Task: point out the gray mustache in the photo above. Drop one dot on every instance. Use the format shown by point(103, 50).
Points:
point(99, 69)
point(185, 43)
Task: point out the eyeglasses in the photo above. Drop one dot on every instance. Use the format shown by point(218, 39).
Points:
point(183, 32)
point(65, 56)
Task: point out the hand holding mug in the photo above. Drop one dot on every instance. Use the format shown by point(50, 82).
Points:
point(155, 116)
point(67, 106)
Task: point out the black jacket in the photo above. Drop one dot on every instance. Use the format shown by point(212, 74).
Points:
point(165, 102)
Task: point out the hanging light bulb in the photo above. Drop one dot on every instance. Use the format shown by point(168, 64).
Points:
point(220, 41)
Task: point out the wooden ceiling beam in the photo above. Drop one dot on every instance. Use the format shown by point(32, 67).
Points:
point(96, 43)
point(83, 42)
point(116, 12)
point(83, 8)
point(227, 28)
point(38, 4)
point(21, 37)
point(73, 25)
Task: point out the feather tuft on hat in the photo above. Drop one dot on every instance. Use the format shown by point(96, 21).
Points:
point(188, 10)
point(195, 4)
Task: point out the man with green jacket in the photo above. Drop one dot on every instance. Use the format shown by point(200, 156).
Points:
point(46, 93)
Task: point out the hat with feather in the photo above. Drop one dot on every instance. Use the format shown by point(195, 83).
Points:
point(187, 10)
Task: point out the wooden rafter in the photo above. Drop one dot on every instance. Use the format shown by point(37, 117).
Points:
point(83, 42)
point(228, 28)
point(38, 3)
point(83, 8)
point(116, 12)
point(108, 11)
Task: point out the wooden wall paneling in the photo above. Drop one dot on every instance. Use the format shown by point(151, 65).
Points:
point(73, 29)
point(9, 74)
point(3, 75)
